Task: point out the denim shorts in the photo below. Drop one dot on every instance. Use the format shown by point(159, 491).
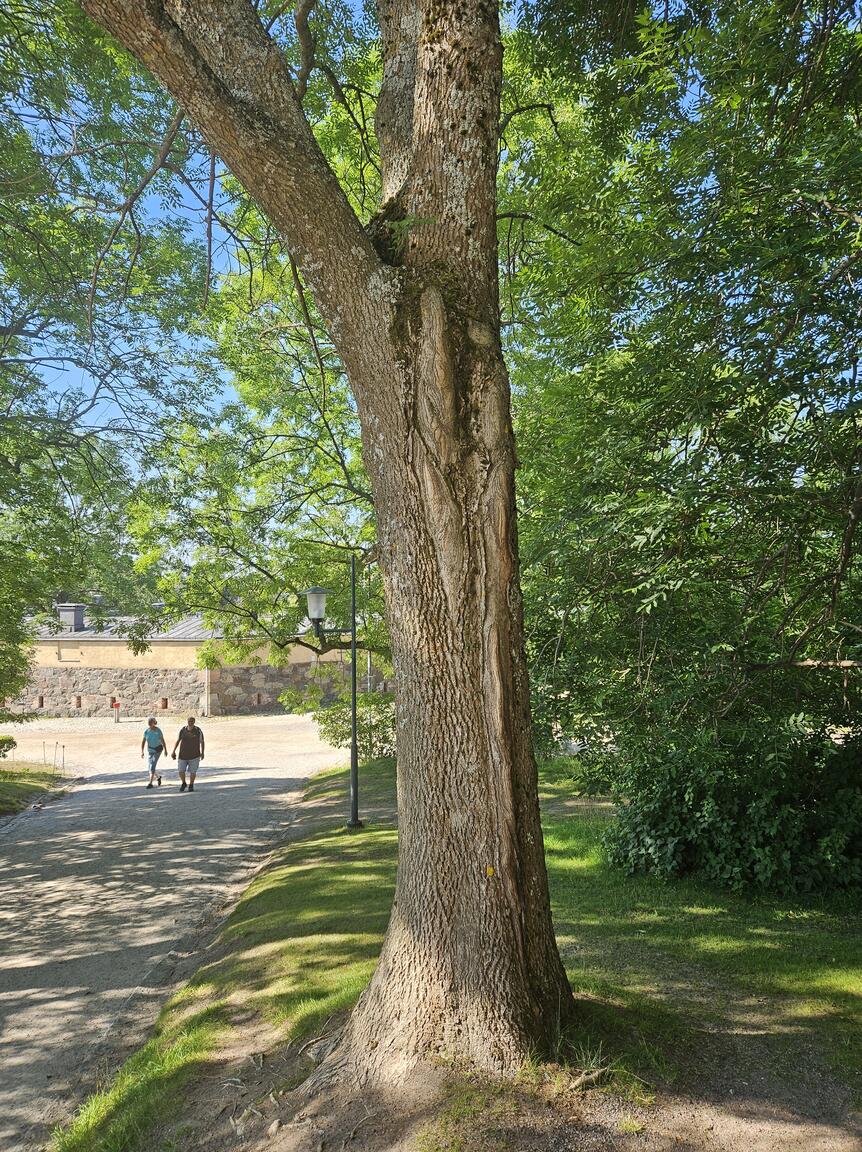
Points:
point(153, 758)
point(189, 765)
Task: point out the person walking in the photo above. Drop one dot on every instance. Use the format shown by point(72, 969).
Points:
point(190, 742)
point(155, 744)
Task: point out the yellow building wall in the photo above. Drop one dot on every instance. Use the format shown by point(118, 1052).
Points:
point(70, 653)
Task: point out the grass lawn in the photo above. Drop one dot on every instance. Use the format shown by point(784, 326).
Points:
point(654, 966)
point(648, 959)
point(23, 782)
point(148, 1089)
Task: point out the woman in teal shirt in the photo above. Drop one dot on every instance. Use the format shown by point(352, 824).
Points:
point(155, 744)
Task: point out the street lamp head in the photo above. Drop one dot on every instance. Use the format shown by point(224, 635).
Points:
point(316, 598)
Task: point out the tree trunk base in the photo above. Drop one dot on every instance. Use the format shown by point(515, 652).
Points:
point(373, 1052)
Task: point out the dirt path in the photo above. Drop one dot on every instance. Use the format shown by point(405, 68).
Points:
point(100, 887)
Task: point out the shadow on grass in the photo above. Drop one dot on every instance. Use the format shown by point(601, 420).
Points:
point(680, 955)
point(303, 941)
point(327, 792)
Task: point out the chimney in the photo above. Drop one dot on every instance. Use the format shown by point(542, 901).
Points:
point(71, 616)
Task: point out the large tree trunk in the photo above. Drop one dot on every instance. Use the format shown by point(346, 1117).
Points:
point(470, 966)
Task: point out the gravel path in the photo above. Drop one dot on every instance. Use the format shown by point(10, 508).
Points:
point(100, 886)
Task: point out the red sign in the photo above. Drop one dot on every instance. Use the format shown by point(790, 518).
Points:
point(116, 704)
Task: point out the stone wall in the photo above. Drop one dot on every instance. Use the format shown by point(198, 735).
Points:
point(257, 689)
point(90, 691)
point(80, 691)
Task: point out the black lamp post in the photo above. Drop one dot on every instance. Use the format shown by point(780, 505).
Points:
point(316, 598)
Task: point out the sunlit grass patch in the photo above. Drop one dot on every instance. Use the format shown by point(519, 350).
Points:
point(304, 940)
point(23, 782)
point(148, 1087)
point(631, 1126)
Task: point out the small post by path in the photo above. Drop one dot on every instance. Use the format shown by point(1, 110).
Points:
point(116, 707)
point(44, 755)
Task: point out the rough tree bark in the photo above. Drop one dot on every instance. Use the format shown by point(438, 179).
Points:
point(470, 966)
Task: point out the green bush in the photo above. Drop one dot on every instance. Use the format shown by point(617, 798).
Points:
point(375, 720)
point(7, 743)
point(777, 811)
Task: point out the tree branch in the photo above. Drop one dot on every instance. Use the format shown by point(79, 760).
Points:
point(510, 116)
point(306, 46)
point(541, 224)
point(217, 60)
point(452, 182)
point(209, 227)
point(127, 207)
point(399, 21)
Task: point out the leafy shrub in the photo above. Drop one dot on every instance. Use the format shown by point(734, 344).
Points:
point(7, 743)
point(300, 701)
point(375, 722)
point(324, 687)
point(773, 811)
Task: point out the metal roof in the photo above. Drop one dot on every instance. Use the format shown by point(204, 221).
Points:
point(192, 628)
point(115, 628)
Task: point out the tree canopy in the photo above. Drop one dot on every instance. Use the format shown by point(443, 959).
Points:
point(686, 371)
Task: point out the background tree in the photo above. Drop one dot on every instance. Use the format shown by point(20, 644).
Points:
point(97, 205)
point(267, 495)
point(688, 415)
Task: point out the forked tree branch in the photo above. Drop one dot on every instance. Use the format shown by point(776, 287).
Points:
point(452, 181)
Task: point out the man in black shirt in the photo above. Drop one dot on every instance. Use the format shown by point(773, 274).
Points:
point(190, 742)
